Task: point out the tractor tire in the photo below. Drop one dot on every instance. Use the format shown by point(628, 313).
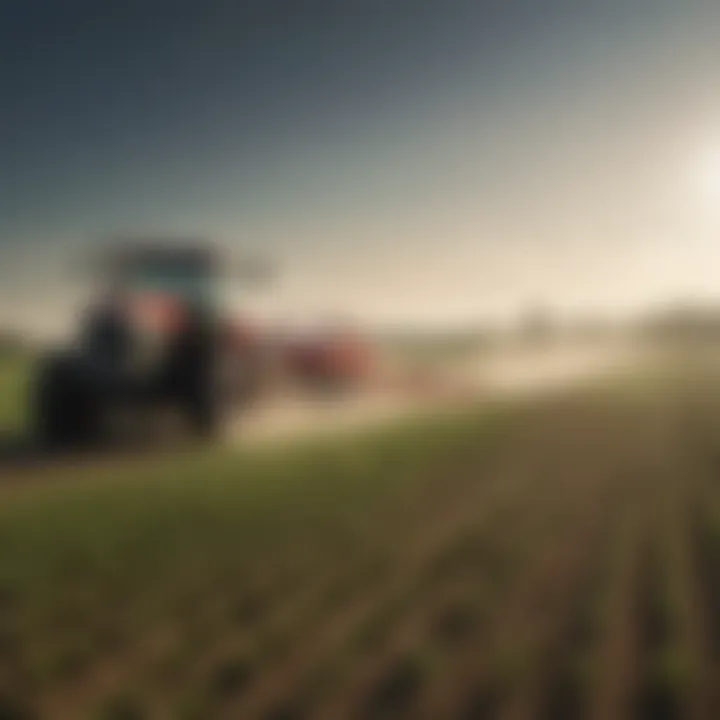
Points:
point(192, 380)
point(61, 412)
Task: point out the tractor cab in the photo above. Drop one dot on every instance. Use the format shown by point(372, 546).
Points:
point(164, 283)
point(154, 296)
point(188, 274)
point(159, 285)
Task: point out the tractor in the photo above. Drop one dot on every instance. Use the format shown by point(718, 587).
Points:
point(156, 354)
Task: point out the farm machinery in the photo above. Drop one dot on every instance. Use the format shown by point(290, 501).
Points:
point(157, 353)
point(337, 361)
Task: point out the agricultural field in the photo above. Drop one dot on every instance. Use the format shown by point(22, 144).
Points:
point(556, 558)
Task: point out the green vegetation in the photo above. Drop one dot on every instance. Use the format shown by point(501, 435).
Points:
point(461, 564)
point(14, 373)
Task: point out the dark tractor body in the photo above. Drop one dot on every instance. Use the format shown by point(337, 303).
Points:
point(156, 356)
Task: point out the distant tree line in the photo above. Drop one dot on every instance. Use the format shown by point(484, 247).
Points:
point(683, 322)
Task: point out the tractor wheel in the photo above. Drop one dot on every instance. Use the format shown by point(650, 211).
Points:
point(193, 379)
point(61, 413)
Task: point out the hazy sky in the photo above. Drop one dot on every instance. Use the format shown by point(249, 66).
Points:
point(399, 158)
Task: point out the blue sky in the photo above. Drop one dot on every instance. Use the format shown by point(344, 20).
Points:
point(398, 158)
